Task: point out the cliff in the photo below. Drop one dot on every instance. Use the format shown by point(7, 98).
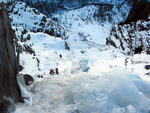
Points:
point(132, 36)
point(140, 10)
point(8, 63)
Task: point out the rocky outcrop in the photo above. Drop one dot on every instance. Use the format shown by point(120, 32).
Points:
point(147, 67)
point(28, 78)
point(8, 63)
point(131, 38)
point(132, 35)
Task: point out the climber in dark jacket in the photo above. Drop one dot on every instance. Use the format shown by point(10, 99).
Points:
point(57, 71)
point(60, 56)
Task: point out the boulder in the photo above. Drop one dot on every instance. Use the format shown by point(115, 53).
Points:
point(147, 67)
point(27, 79)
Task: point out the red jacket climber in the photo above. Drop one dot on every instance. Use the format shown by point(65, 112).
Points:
point(51, 72)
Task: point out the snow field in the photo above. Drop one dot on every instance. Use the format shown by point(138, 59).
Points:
point(92, 78)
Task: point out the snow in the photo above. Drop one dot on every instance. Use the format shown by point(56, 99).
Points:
point(25, 16)
point(84, 22)
point(129, 37)
point(107, 86)
point(46, 47)
point(93, 77)
point(108, 92)
point(5, 1)
point(31, 19)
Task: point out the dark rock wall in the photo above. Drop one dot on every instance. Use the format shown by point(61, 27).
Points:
point(140, 10)
point(8, 61)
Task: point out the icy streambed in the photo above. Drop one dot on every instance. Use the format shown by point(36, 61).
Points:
point(111, 91)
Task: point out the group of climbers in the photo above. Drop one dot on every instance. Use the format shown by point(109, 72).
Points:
point(52, 72)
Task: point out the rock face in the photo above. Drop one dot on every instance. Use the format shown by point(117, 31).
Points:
point(8, 62)
point(131, 38)
point(140, 10)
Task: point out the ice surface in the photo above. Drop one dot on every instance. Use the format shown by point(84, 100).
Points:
point(114, 91)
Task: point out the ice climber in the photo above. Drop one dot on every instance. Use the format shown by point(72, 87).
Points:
point(51, 72)
point(57, 71)
point(60, 56)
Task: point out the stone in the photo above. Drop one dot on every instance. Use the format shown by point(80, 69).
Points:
point(27, 79)
point(147, 67)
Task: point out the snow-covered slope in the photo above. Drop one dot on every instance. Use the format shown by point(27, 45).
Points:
point(37, 49)
point(89, 80)
point(131, 38)
point(30, 19)
point(93, 22)
point(93, 77)
point(35, 30)
point(5, 1)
